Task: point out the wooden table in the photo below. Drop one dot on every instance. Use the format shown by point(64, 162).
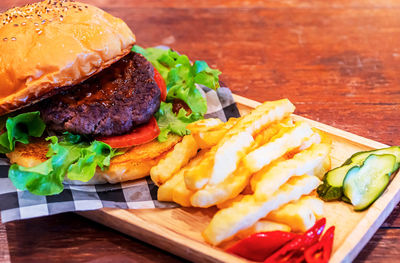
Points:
point(337, 61)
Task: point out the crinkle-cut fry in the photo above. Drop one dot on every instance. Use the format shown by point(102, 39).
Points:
point(300, 215)
point(315, 138)
point(174, 161)
point(325, 138)
point(211, 137)
point(263, 115)
point(181, 194)
point(218, 162)
point(230, 123)
point(263, 225)
point(225, 156)
point(278, 146)
point(208, 139)
point(241, 215)
point(165, 191)
point(197, 176)
point(316, 204)
point(228, 155)
point(230, 202)
point(205, 125)
point(305, 162)
point(214, 194)
point(321, 169)
point(270, 132)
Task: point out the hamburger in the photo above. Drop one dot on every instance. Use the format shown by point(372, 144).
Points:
point(67, 69)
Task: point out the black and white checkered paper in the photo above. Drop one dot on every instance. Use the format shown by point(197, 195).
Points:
point(16, 204)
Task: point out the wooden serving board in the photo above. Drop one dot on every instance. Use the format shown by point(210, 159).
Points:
point(179, 230)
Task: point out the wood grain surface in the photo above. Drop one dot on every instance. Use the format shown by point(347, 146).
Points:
point(338, 61)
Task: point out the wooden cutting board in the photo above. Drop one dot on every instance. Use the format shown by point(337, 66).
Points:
point(179, 230)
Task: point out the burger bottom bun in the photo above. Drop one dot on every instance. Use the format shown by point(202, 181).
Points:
point(135, 163)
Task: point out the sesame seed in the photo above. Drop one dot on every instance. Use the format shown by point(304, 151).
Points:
point(5, 39)
point(13, 38)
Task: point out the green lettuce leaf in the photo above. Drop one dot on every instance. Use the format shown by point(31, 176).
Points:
point(159, 58)
point(168, 121)
point(19, 128)
point(205, 75)
point(71, 157)
point(181, 77)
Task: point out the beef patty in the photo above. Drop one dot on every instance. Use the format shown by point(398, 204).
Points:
point(111, 102)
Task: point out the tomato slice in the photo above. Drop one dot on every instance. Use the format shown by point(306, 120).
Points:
point(161, 84)
point(140, 135)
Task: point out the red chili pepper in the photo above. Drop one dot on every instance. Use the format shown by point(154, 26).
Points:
point(321, 252)
point(259, 246)
point(294, 250)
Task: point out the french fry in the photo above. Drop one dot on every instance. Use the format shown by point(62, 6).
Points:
point(324, 137)
point(181, 194)
point(268, 180)
point(315, 138)
point(205, 125)
point(291, 139)
point(228, 155)
point(263, 225)
point(300, 215)
point(219, 162)
point(263, 115)
point(316, 204)
point(165, 191)
point(230, 202)
point(270, 132)
point(223, 158)
point(214, 194)
point(174, 161)
point(245, 213)
point(198, 176)
point(209, 138)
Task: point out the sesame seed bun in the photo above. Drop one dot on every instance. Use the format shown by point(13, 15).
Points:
point(52, 45)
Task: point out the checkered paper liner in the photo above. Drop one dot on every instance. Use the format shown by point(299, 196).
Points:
point(142, 193)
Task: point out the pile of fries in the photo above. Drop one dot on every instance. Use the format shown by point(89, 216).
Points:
point(260, 170)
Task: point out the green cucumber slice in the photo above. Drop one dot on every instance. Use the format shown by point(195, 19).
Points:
point(364, 184)
point(359, 158)
point(332, 187)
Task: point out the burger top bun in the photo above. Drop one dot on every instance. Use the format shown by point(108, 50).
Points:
point(51, 45)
